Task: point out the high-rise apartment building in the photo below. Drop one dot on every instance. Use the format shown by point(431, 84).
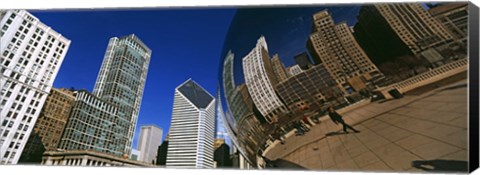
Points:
point(192, 128)
point(122, 77)
point(95, 124)
point(339, 52)
point(49, 127)
point(148, 142)
point(390, 31)
point(454, 16)
point(31, 55)
point(260, 79)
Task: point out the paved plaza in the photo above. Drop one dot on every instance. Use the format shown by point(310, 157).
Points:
point(396, 135)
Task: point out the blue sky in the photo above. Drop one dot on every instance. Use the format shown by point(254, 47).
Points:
point(185, 43)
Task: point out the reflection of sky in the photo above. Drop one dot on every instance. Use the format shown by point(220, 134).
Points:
point(285, 29)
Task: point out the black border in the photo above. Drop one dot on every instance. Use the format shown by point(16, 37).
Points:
point(473, 84)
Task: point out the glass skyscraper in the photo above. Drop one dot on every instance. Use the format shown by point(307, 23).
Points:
point(122, 77)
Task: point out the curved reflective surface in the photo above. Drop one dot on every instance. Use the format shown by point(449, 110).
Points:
point(269, 81)
point(282, 68)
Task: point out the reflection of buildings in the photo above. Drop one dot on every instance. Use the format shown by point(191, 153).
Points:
point(192, 128)
point(278, 68)
point(334, 46)
point(88, 158)
point(49, 126)
point(309, 90)
point(303, 61)
point(121, 80)
point(94, 125)
point(390, 31)
point(148, 142)
point(454, 16)
point(31, 54)
point(294, 70)
point(260, 79)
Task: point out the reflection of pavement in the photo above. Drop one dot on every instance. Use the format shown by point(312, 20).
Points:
point(395, 135)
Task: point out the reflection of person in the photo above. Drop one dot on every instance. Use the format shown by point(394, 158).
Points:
point(337, 118)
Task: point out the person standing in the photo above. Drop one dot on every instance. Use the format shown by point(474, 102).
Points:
point(337, 118)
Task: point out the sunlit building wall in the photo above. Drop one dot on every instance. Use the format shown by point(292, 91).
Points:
point(192, 128)
point(31, 56)
point(260, 79)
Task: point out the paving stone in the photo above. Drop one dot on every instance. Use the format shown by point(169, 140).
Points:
point(365, 159)
point(376, 167)
point(413, 141)
point(459, 155)
point(396, 157)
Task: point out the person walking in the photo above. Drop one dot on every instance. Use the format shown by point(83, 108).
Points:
point(337, 118)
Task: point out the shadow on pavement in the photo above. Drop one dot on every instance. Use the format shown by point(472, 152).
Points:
point(439, 165)
point(336, 133)
point(282, 164)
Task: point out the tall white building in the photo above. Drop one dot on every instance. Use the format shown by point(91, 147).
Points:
point(148, 142)
point(260, 79)
point(31, 55)
point(192, 128)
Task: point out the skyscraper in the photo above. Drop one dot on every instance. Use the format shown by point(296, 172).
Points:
point(260, 79)
point(122, 77)
point(339, 52)
point(148, 142)
point(192, 128)
point(49, 127)
point(31, 55)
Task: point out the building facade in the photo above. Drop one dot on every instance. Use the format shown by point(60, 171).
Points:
point(278, 68)
point(403, 28)
point(192, 128)
point(454, 16)
point(148, 142)
point(310, 91)
point(49, 127)
point(88, 158)
point(294, 70)
point(162, 153)
point(122, 77)
point(339, 52)
point(221, 155)
point(31, 55)
point(94, 124)
point(260, 79)
point(135, 155)
point(303, 61)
